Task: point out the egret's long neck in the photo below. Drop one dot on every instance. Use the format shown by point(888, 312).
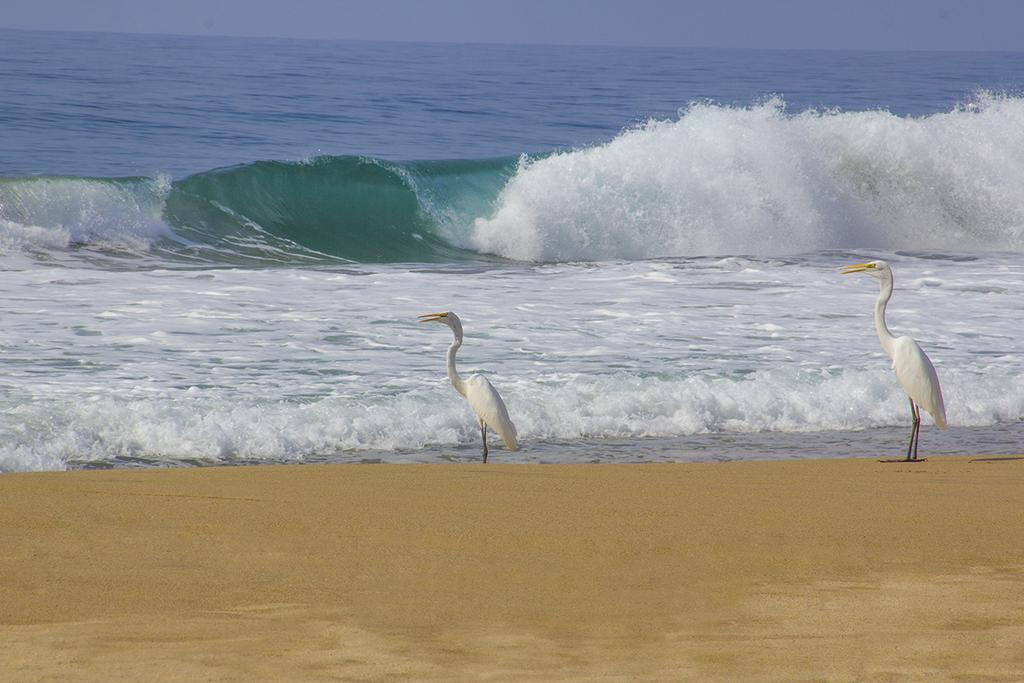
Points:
point(884, 335)
point(453, 374)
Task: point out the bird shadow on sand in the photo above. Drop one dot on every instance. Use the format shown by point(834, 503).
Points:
point(998, 458)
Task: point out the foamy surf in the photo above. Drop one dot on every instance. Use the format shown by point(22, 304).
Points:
point(156, 366)
point(208, 427)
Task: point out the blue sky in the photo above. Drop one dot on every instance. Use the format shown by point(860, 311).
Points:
point(857, 24)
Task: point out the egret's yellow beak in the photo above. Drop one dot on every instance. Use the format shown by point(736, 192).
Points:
point(857, 268)
point(432, 317)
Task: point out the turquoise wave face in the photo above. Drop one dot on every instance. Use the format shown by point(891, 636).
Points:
point(329, 209)
point(352, 208)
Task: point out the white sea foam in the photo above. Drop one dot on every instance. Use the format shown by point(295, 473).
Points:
point(47, 213)
point(757, 180)
point(204, 426)
point(291, 365)
point(16, 237)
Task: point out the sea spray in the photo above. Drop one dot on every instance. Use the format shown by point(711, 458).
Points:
point(757, 180)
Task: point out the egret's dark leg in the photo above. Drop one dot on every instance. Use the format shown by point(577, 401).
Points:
point(913, 429)
point(917, 428)
point(483, 436)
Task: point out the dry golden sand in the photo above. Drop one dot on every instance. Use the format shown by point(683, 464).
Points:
point(797, 570)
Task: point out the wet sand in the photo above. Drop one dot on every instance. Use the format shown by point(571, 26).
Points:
point(784, 570)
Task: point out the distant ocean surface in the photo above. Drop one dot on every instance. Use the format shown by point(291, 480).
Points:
point(214, 250)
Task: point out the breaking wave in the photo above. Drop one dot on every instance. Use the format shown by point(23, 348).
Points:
point(717, 180)
point(756, 180)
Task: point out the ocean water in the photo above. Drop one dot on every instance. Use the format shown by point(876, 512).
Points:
point(214, 250)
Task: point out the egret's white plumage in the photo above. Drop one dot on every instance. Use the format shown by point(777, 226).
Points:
point(482, 397)
point(917, 375)
point(912, 366)
point(490, 409)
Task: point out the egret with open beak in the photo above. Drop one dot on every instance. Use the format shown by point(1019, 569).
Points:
point(482, 397)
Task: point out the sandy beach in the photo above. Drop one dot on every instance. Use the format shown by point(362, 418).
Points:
point(784, 570)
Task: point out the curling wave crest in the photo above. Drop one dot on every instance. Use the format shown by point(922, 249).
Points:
point(324, 210)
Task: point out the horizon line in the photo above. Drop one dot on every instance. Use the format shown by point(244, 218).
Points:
point(504, 43)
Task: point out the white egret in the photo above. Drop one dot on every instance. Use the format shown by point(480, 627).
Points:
point(482, 397)
point(912, 366)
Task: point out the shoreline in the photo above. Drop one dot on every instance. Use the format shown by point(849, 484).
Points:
point(758, 569)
